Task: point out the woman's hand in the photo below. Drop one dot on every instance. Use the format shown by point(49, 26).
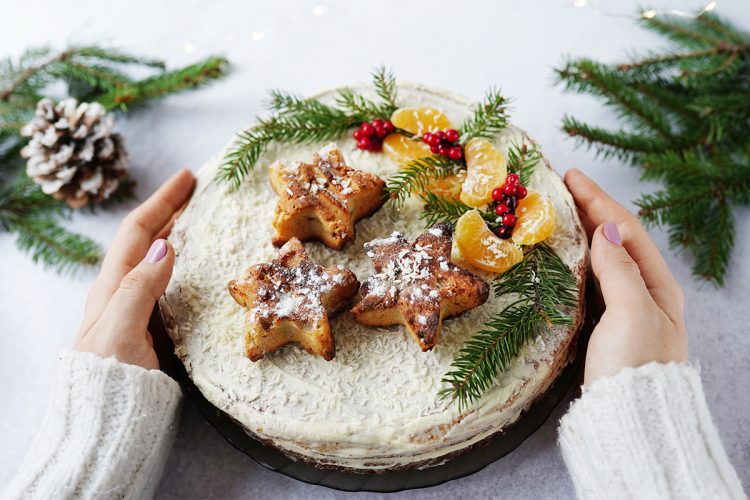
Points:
point(643, 315)
point(134, 274)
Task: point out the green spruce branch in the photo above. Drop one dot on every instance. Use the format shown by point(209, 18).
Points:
point(52, 245)
point(523, 160)
point(127, 95)
point(686, 114)
point(90, 73)
point(385, 86)
point(542, 291)
point(34, 217)
point(489, 118)
point(439, 209)
point(301, 120)
point(416, 175)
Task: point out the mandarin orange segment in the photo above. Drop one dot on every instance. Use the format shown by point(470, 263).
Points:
point(536, 219)
point(448, 187)
point(481, 248)
point(485, 170)
point(417, 121)
point(401, 149)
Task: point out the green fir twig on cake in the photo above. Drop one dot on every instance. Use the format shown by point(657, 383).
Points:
point(522, 160)
point(442, 209)
point(439, 209)
point(384, 82)
point(385, 86)
point(300, 120)
point(488, 119)
point(543, 290)
point(416, 176)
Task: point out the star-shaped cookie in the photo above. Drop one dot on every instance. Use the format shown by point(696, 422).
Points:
point(323, 200)
point(415, 284)
point(290, 300)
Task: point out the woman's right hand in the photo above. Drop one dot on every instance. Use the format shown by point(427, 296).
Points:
point(643, 316)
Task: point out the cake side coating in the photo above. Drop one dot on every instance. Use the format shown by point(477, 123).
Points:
point(374, 407)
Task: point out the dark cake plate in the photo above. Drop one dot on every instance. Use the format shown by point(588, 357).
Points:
point(469, 462)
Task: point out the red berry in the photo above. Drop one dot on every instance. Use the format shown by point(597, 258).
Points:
point(367, 129)
point(376, 146)
point(512, 179)
point(509, 220)
point(364, 143)
point(377, 123)
point(451, 135)
point(521, 192)
point(435, 149)
point(497, 194)
point(502, 209)
point(509, 189)
point(441, 134)
point(389, 127)
point(379, 130)
point(434, 140)
point(503, 232)
point(443, 151)
point(426, 137)
point(455, 153)
point(357, 134)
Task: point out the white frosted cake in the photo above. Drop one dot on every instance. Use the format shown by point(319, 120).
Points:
point(375, 406)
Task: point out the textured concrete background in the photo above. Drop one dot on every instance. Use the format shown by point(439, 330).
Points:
point(306, 45)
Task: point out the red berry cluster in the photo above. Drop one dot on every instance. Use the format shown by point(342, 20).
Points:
point(369, 136)
point(506, 199)
point(444, 143)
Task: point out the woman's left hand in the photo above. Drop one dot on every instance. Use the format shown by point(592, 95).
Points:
point(134, 274)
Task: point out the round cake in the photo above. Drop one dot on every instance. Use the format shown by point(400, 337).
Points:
point(375, 406)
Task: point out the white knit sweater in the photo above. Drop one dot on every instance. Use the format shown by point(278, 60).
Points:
point(106, 434)
point(644, 433)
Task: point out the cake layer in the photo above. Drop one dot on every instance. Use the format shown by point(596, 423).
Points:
point(375, 406)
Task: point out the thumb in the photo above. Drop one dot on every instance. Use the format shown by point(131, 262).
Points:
point(618, 274)
point(133, 301)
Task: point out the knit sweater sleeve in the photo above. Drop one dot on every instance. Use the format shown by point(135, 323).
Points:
point(106, 433)
point(646, 433)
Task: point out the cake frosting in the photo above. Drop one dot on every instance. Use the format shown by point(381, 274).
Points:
point(375, 406)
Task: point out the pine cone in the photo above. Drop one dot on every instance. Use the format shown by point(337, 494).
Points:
point(72, 154)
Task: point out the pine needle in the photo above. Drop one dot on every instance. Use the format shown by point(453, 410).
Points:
point(544, 289)
point(358, 106)
point(385, 86)
point(53, 245)
point(300, 120)
point(489, 118)
point(523, 160)
point(126, 96)
point(416, 176)
point(32, 215)
point(686, 112)
point(439, 209)
point(90, 73)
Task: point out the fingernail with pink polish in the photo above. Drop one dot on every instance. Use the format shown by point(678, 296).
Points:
point(157, 251)
point(612, 234)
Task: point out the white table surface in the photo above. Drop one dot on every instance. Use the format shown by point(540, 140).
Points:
point(306, 45)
